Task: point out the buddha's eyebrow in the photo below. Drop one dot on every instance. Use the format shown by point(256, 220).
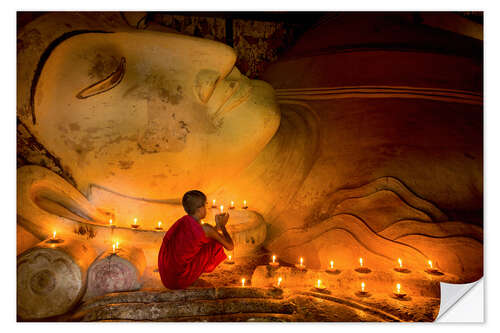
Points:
point(106, 84)
point(43, 59)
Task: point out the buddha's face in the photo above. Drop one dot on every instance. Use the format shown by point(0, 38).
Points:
point(151, 115)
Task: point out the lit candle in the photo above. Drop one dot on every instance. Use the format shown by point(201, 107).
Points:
point(274, 263)
point(159, 226)
point(117, 243)
point(221, 209)
point(400, 269)
point(232, 205)
point(135, 220)
point(300, 265)
point(243, 282)
point(110, 221)
point(229, 259)
point(362, 292)
point(213, 204)
point(362, 269)
point(319, 283)
point(279, 281)
point(54, 235)
point(331, 269)
point(135, 225)
point(113, 247)
point(245, 204)
point(398, 293)
point(432, 270)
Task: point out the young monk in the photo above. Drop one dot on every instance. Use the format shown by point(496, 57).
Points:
point(191, 248)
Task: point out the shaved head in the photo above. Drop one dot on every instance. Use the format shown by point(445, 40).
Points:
point(193, 200)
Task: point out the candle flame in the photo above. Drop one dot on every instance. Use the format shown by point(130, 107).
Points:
point(232, 203)
point(362, 286)
point(400, 262)
point(113, 248)
point(117, 243)
point(430, 263)
point(331, 264)
point(54, 235)
point(230, 257)
point(274, 259)
point(361, 262)
point(221, 209)
point(244, 203)
point(301, 261)
point(135, 220)
point(398, 287)
point(213, 202)
point(243, 282)
point(279, 280)
point(319, 283)
point(110, 221)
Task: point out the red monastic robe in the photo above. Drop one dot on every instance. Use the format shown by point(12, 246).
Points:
point(186, 253)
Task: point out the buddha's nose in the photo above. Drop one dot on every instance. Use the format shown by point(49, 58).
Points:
point(229, 92)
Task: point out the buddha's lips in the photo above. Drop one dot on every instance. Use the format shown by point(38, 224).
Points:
point(238, 97)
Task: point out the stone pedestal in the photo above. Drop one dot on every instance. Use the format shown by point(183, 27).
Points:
point(248, 230)
point(114, 272)
point(51, 277)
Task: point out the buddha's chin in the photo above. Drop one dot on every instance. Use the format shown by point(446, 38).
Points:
point(262, 111)
point(249, 127)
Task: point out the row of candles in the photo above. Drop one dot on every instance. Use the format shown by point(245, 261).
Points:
point(245, 206)
point(319, 285)
point(136, 226)
point(401, 269)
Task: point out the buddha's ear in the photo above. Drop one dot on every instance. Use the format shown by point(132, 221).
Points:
point(111, 81)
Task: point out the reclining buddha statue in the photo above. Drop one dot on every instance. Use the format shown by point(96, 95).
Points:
point(364, 144)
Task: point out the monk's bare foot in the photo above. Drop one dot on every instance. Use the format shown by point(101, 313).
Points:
point(200, 283)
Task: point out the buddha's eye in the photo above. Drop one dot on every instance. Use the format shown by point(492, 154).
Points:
point(106, 84)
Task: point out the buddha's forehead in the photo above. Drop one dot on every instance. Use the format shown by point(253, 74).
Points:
point(148, 50)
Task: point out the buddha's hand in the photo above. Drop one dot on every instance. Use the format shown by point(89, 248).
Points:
point(221, 220)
